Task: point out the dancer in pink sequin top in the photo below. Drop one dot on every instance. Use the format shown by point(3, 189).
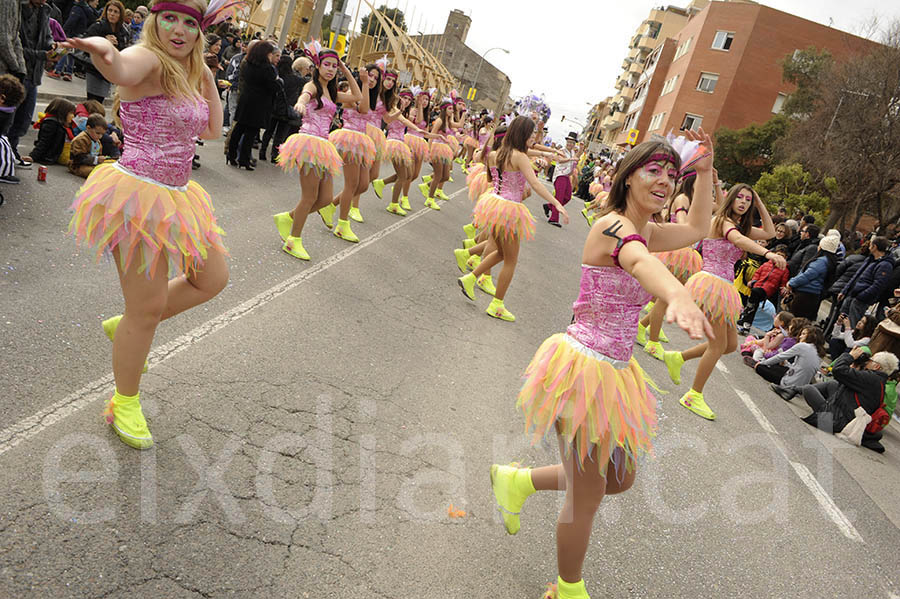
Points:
point(311, 151)
point(584, 386)
point(144, 210)
point(397, 151)
point(732, 233)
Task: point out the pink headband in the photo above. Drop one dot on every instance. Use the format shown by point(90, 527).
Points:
point(322, 55)
point(656, 158)
point(390, 75)
point(176, 7)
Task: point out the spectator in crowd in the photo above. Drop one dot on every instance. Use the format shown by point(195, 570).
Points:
point(796, 366)
point(136, 27)
point(285, 119)
point(842, 250)
point(85, 154)
point(844, 337)
point(816, 274)
point(782, 234)
point(12, 59)
point(54, 130)
point(258, 86)
point(869, 282)
point(36, 42)
point(111, 26)
point(12, 92)
point(888, 293)
point(846, 269)
point(80, 17)
point(234, 48)
point(806, 249)
point(792, 239)
point(766, 284)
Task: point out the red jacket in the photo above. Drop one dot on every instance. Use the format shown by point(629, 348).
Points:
point(770, 278)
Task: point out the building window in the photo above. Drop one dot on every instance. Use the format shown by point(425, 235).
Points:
point(669, 85)
point(779, 103)
point(707, 82)
point(655, 28)
point(683, 49)
point(723, 40)
point(656, 121)
point(691, 122)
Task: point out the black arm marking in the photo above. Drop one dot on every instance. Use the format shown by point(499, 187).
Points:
point(613, 230)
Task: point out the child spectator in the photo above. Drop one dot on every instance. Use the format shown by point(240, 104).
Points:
point(111, 142)
point(772, 339)
point(766, 284)
point(790, 340)
point(85, 154)
point(12, 92)
point(803, 357)
point(843, 338)
point(54, 130)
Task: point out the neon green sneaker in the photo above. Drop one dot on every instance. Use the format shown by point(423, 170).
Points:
point(648, 307)
point(441, 195)
point(378, 186)
point(674, 361)
point(462, 256)
point(655, 349)
point(404, 203)
point(294, 247)
point(450, 179)
point(512, 486)
point(327, 214)
point(423, 188)
point(641, 335)
point(395, 209)
point(431, 203)
point(693, 401)
point(473, 262)
point(468, 243)
point(283, 222)
point(109, 327)
point(486, 284)
point(467, 284)
point(124, 414)
point(566, 590)
point(662, 336)
point(586, 216)
point(343, 231)
point(470, 230)
point(427, 179)
point(356, 215)
point(498, 310)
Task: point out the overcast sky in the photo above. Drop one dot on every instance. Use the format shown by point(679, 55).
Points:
point(571, 51)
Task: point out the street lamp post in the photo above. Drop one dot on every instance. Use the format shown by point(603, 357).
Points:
point(478, 70)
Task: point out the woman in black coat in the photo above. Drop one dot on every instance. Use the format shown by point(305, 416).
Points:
point(258, 85)
point(285, 119)
point(111, 26)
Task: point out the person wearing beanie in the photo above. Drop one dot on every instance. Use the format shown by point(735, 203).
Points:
point(814, 277)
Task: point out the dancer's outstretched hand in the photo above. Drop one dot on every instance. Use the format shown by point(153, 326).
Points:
point(684, 312)
point(705, 163)
point(95, 46)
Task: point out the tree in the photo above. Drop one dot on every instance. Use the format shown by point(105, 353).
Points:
point(370, 25)
point(790, 186)
point(742, 155)
point(804, 68)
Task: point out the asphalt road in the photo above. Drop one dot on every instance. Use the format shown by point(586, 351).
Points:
point(315, 421)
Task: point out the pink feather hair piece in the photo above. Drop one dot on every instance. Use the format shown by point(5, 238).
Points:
point(222, 10)
point(383, 63)
point(690, 151)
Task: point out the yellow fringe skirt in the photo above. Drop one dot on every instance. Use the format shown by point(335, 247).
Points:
point(716, 297)
point(503, 218)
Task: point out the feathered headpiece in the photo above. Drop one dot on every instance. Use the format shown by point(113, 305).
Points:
point(454, 95)
point(446, 102)
point(216, 12)
point(690, 151)
point(432, 91)
point(382, 63)
point(315, 52)
point(532, 103)
point(507, 119)
point(489, 116)
point(415, 90)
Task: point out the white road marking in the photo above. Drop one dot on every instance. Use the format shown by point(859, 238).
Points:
point(757, 413)
point(722, 367)
point(827, 504)
point(75, 402)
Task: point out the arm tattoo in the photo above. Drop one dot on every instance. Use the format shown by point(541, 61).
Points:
point(613, 230)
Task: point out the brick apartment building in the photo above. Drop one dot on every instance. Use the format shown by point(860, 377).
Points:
point(723, 69)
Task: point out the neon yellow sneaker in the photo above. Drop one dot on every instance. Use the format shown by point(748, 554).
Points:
point(566, 590)
point(356, 215)
point(470, 230)
point(462, 256)
point(395, 209)
point(124, 414)
point(294, 247)
point(378, 186)
point(512, 486)
point(586, 215)
point(327, 214)
point(450, 179)
point(473, 262)
point(648, 307)
point(498, 310)
point(674, 361)
point(662, 336)
point(283, 222)
point(693, 401)
point(404, 203)
point(427, 179)
point(655, 349)
point(468, 243)
point(441, 195)
point(486, 284)
point(109, 327)
point(590, 220)
point(641, 335)
point(343, 231)
point(430, 203)
point(467, 284)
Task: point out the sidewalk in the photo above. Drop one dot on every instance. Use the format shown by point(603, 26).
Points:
point(73, 90)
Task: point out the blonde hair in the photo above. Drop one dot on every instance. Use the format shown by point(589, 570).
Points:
point(173, 78)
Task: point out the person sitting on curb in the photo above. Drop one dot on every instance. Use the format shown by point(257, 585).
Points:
point(833, 402)
point(85, 154)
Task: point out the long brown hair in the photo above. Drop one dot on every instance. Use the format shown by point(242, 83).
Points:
point(745, 222)
point(121, 22)
point(517, 135)
point(617, 201)
point(686, 187)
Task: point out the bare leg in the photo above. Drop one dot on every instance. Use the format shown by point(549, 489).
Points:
point(310, 184)
point(400, 178)
point(374, 170)
point(510, 251)
point(488, 262)
point(656, 316)
point(417, 168)
point(435, 177)
point(351, 180)
point(185, 292)
point(392, 178)
point(724, 343)
point(361, 186)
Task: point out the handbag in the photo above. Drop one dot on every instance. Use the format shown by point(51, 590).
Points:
point(853, 432)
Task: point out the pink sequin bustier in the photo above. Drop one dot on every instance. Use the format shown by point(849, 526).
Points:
point(317, 121)
point(354, 121)
point(375, 116)
point(719, 256)
point(607, 311)
point(421, 125)
point(159, 137)
point(395, 130)
point(483, 138)
point(510, 185)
